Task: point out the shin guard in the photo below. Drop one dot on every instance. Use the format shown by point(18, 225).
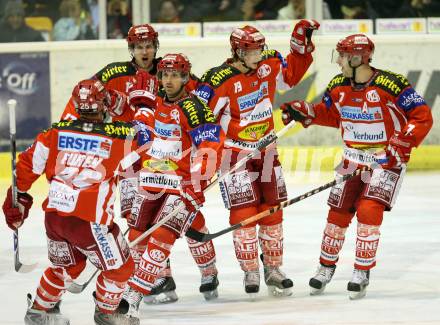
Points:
point(246, 248)
point(271, 243)
point(332, 242)
point(152, 262)
point(203, 254)
point(51, 288)
point(366, 246)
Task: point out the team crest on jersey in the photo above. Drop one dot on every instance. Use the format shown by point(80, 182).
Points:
point(373, 96)
point(263, 71)
point(175, 115)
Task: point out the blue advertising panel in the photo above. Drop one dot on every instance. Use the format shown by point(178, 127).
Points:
point(24, 77)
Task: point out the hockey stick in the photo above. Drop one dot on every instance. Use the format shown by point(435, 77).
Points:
point(19, 267)
point(78, 288)
point(201, 237)
point(263, 144)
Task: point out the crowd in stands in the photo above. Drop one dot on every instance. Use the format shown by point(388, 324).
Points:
point(66, 20)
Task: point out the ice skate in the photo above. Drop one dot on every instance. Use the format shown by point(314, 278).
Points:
point(163, 292)
point(357, 287)
point(133, 299)
point(277, 283)
point(121, 316)
point(252, 283)
point(209, 286)
point(41, 317)
point(323, 276)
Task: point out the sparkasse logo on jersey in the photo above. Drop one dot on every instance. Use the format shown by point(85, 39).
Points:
point(357, 113)
point(250, 100)
point(167, 130)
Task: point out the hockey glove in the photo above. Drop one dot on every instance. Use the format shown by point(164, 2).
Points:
point(144, 90)
point(15, 215)
point(117, 103)
point(399, 149)
point(299, 111)
point(193, 198)
point(301, 40)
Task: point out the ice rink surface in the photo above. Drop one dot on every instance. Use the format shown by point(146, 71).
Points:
point(404, 287)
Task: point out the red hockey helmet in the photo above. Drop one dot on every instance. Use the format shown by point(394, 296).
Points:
point(247, 38)
point(357, 45)
point(178, 62)
point(140, 33)
point(90, 97)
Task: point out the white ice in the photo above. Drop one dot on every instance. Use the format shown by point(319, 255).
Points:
point(404, 287)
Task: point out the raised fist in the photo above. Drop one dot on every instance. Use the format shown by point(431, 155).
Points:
point(301, 40)
point(117, 103)
point(298, 110)
point(144, 90)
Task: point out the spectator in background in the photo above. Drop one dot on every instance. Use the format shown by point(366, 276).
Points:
point(73, 24)
point(210, 10)
point(261, 9)
point(354, 9)
point(118, 19)
point(168, 12)
point(334, 7)
point(13, 27)
point(295, 9)
point(420, 8)
point(93, 9)
point(384, 8)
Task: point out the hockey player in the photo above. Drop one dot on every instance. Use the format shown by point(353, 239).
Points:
point(120, 79)
point(241, 93)
point(381, 118)
point(181, 123)
point(81, 160)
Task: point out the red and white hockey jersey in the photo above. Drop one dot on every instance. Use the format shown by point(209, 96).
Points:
point(179, 131)
point(368, 116)
point(81, 161)
point(243, 102)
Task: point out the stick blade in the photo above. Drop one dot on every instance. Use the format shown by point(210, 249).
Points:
point(24, 268)
point(77, 288)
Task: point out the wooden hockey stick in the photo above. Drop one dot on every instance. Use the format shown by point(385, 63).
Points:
point(201, 237)
point(19, 267)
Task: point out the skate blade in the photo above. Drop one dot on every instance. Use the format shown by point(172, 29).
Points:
point(316, 292)
point(277, 292)
point(210, 295)
point(253, 296)
point(162, 298)
point(52, 320)
point(356, 295)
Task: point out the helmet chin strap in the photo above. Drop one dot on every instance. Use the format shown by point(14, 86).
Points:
point(353, 69)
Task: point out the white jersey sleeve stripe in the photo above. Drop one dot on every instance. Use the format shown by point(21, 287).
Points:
point(39, 158)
